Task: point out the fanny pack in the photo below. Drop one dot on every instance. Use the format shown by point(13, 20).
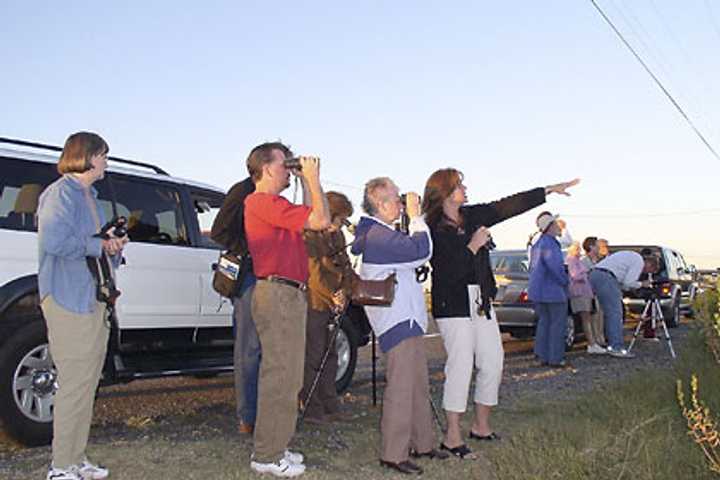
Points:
point(229, 272)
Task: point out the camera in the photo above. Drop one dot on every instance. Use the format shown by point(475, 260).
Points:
point(660, 288)
point(120, 224)
point(293, 163)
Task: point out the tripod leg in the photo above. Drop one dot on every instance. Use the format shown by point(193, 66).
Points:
point(323, 362)
point(661, 320)
point(374, 369)
point(640, 324)
point(435, 411)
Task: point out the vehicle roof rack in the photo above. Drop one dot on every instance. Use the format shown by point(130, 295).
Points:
point(24, 143)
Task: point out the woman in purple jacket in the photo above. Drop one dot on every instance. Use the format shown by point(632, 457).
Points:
point(547, 288)
point(581, 295)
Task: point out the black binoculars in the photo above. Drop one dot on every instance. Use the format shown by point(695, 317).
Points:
point(293, 163)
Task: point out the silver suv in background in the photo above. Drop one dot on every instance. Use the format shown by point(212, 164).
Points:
point(679, 283)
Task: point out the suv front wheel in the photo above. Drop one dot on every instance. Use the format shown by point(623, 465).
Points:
point(28, 382)
point(672, 316)
point(346, 347)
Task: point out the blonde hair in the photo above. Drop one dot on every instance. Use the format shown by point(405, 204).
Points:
point(574, 249)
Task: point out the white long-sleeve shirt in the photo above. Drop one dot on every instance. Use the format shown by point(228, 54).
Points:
point(627, 267)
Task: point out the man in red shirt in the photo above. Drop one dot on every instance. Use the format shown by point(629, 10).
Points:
point(273, 227)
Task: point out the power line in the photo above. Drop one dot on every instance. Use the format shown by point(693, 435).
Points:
point(645, 215)
point(655, 79)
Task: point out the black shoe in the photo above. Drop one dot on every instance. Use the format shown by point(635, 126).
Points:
point(460, 451)
point(433, 454)
point(406, 467)
point(493, 437)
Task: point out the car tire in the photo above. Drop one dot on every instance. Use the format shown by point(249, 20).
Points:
point(27, 385)
point(346, 346)
point(673, 316)
point(570, 333)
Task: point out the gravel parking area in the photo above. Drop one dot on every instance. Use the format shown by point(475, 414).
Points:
point(191, 421)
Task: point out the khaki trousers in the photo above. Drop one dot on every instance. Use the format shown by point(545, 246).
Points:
point(406, 417)
point(279, 312)
point(324, 401)
point(78, 343)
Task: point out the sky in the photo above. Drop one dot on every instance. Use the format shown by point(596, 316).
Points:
point(515, 94)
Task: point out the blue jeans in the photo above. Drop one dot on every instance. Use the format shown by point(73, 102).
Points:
point(550, 331)
point(609, 295)
point(246, 358)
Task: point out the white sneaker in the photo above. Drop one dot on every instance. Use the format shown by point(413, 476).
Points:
point(281, 468)
point(294, 457)
point(70, 473)
point(90, 471)
point(620, 353)
point(596, 349)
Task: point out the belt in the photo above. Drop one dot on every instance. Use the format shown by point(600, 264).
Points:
point(606, 271)
point(285, 281)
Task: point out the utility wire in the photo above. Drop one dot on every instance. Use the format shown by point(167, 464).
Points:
point(655, 79)
point(646, 215)
point(654, 55)
point(697, 82)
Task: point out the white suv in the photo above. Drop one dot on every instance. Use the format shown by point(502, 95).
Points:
point(170, 319)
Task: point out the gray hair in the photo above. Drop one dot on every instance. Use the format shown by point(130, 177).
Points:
point(375, 192)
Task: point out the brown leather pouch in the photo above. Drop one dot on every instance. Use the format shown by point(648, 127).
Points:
point(374, 292)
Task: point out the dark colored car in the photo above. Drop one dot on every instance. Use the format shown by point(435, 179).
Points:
point(677, 283)
point(515, 313)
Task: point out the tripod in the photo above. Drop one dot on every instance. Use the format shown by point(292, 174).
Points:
point(652, 314)
point(337, 322)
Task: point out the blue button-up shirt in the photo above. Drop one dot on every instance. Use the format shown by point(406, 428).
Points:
point(66, 227)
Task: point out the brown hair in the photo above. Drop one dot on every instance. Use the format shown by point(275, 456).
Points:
point(339, 205)
point(652, 261)
point(79, 149)
point(441, 184)
point(262, 155)
point(589, 243)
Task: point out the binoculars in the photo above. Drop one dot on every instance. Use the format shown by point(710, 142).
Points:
point(293, 163)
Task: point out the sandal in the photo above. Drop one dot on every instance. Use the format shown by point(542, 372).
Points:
point(461, 451)
point(432, 454)
point(488, 438)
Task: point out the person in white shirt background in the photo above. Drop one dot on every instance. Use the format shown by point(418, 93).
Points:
point(617, 272)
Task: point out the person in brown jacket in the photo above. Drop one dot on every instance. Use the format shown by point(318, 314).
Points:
point(329, 287)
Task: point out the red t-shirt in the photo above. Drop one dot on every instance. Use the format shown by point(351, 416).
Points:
point(273, 227)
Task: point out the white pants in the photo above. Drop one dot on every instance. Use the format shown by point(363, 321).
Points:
point(471, 341)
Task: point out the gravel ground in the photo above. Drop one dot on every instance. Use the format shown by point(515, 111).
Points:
point(190, 422)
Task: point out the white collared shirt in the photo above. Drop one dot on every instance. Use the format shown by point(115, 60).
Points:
point(627, 266)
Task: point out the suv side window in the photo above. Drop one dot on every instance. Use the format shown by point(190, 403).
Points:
point(206, 205)
point(672, 265)
point(153, 209)
point(21, 184)
point(679, 263)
